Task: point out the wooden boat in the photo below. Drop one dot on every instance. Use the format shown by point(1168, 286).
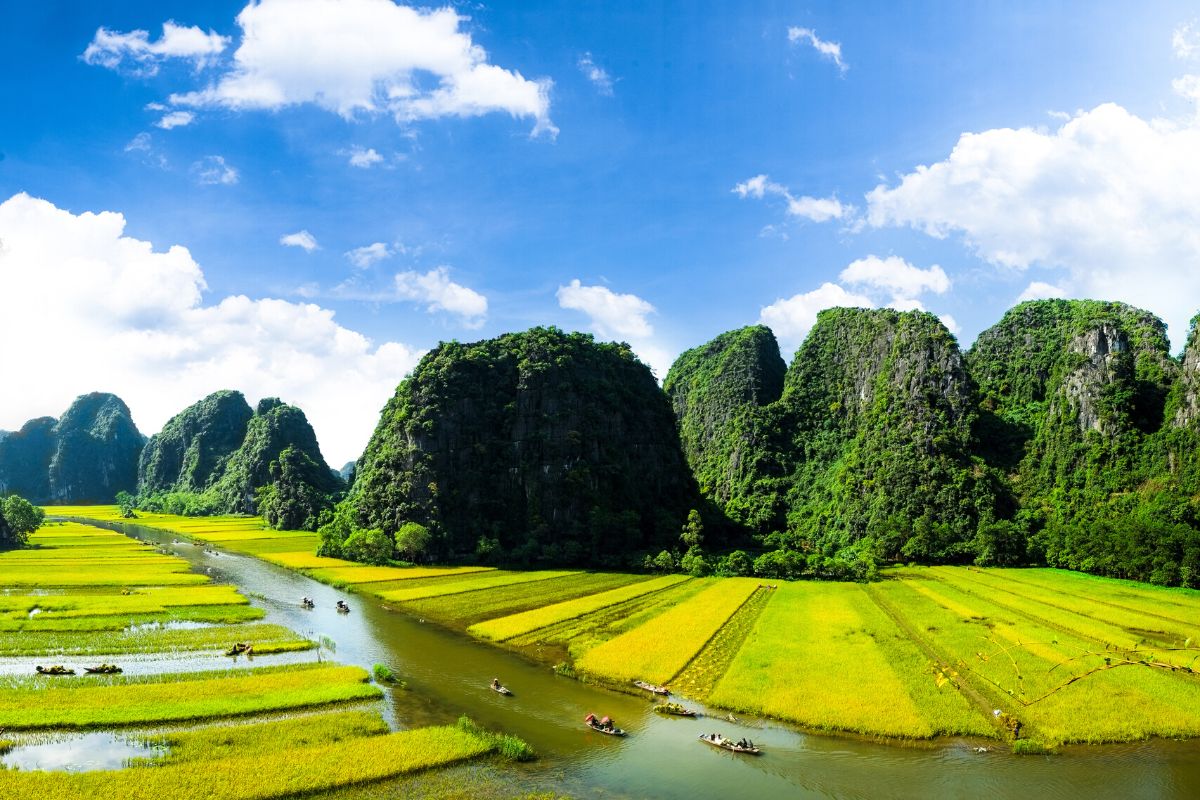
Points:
point(104, 669)
point(676, 710)
point(307, 603)
point(596, 726)
point(717, 740)
point(500, 690)
point(650, 687)
point(599, 726)
point(57, 669)
point(240, 648)
point(342, 608)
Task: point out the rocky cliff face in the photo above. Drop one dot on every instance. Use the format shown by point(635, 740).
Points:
point(1070, 383)
point(880, 411)
point(96, 452)
point(551, 445)
point(25, 459)
point(190, 453)
point(719, 392)
point(1186, 406)
point(87, 456)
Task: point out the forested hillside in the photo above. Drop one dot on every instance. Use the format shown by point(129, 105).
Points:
point(534, 446)
point(1067, 435)
point(219, 456)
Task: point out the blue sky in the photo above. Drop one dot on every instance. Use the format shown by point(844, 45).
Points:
point(656, 173)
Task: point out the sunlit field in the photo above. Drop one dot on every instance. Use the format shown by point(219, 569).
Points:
point(79, 593)
point(926, 652)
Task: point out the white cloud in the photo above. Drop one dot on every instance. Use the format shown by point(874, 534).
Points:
point(435, 289)
point(816, 209)
point(951, 324)
point(611, 314)
point(1040, 290)
point(369, 57)
point(895, 275)
point(596, 74)
point(212, 170)
point(175, 119)
point(792, 318)
point(829, 50)
point(139, 143)
point(301, 239)
point(364, 159)
point(1109, 198)
point(132, 320)
point(365, 256)
point(1185, 41)
point(112, 49)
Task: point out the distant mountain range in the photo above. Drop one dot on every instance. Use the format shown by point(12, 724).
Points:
point(1067, 435)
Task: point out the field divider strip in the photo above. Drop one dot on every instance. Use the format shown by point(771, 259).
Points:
point(1096, 600)
point(963, 682)
point(716, 633)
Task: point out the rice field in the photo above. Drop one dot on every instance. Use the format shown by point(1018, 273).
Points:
point(659, 650)
point(1057, 657)
point(263, 771)
point(82, 592)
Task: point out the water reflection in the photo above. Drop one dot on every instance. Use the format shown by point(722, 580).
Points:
point(80, 752)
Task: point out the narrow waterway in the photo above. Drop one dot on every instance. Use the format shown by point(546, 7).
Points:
point(447, 674)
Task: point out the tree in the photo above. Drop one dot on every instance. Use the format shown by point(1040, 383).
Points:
point(19, 519)
point(126, 503)
point(694, 563)
point(693, 530)
point(371, 546)
point(412, 539)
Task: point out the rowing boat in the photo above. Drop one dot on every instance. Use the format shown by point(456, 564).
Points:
point(717, 740)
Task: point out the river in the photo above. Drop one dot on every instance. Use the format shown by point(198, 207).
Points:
point(447, 674)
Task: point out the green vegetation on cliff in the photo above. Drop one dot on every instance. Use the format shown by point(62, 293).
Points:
point(220, 457)
point(720, 392)
point(87, 456)
point(534, 446)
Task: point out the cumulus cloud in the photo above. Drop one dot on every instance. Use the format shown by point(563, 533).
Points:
point(175, 119)
point(816, 209)
point(1040, 290)
point(596, 74)
point(792, 318)
point(895, 275)
point(829, 50)
point(611, 314)
point(302, 239)
point(134, 320)
point(1110, 199)
point(212, 170)
point(367, 57)
point(439, 293)
point(364, 159)
point(619, 316)
point(365, 256)
point(134, 49)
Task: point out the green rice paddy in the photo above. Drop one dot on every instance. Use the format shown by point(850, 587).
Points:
point(926, 652)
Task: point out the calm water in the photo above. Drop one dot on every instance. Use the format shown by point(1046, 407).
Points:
point(448, 673)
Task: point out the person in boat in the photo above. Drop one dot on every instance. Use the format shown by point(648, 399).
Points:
point(607, 723)
point(496, 684)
